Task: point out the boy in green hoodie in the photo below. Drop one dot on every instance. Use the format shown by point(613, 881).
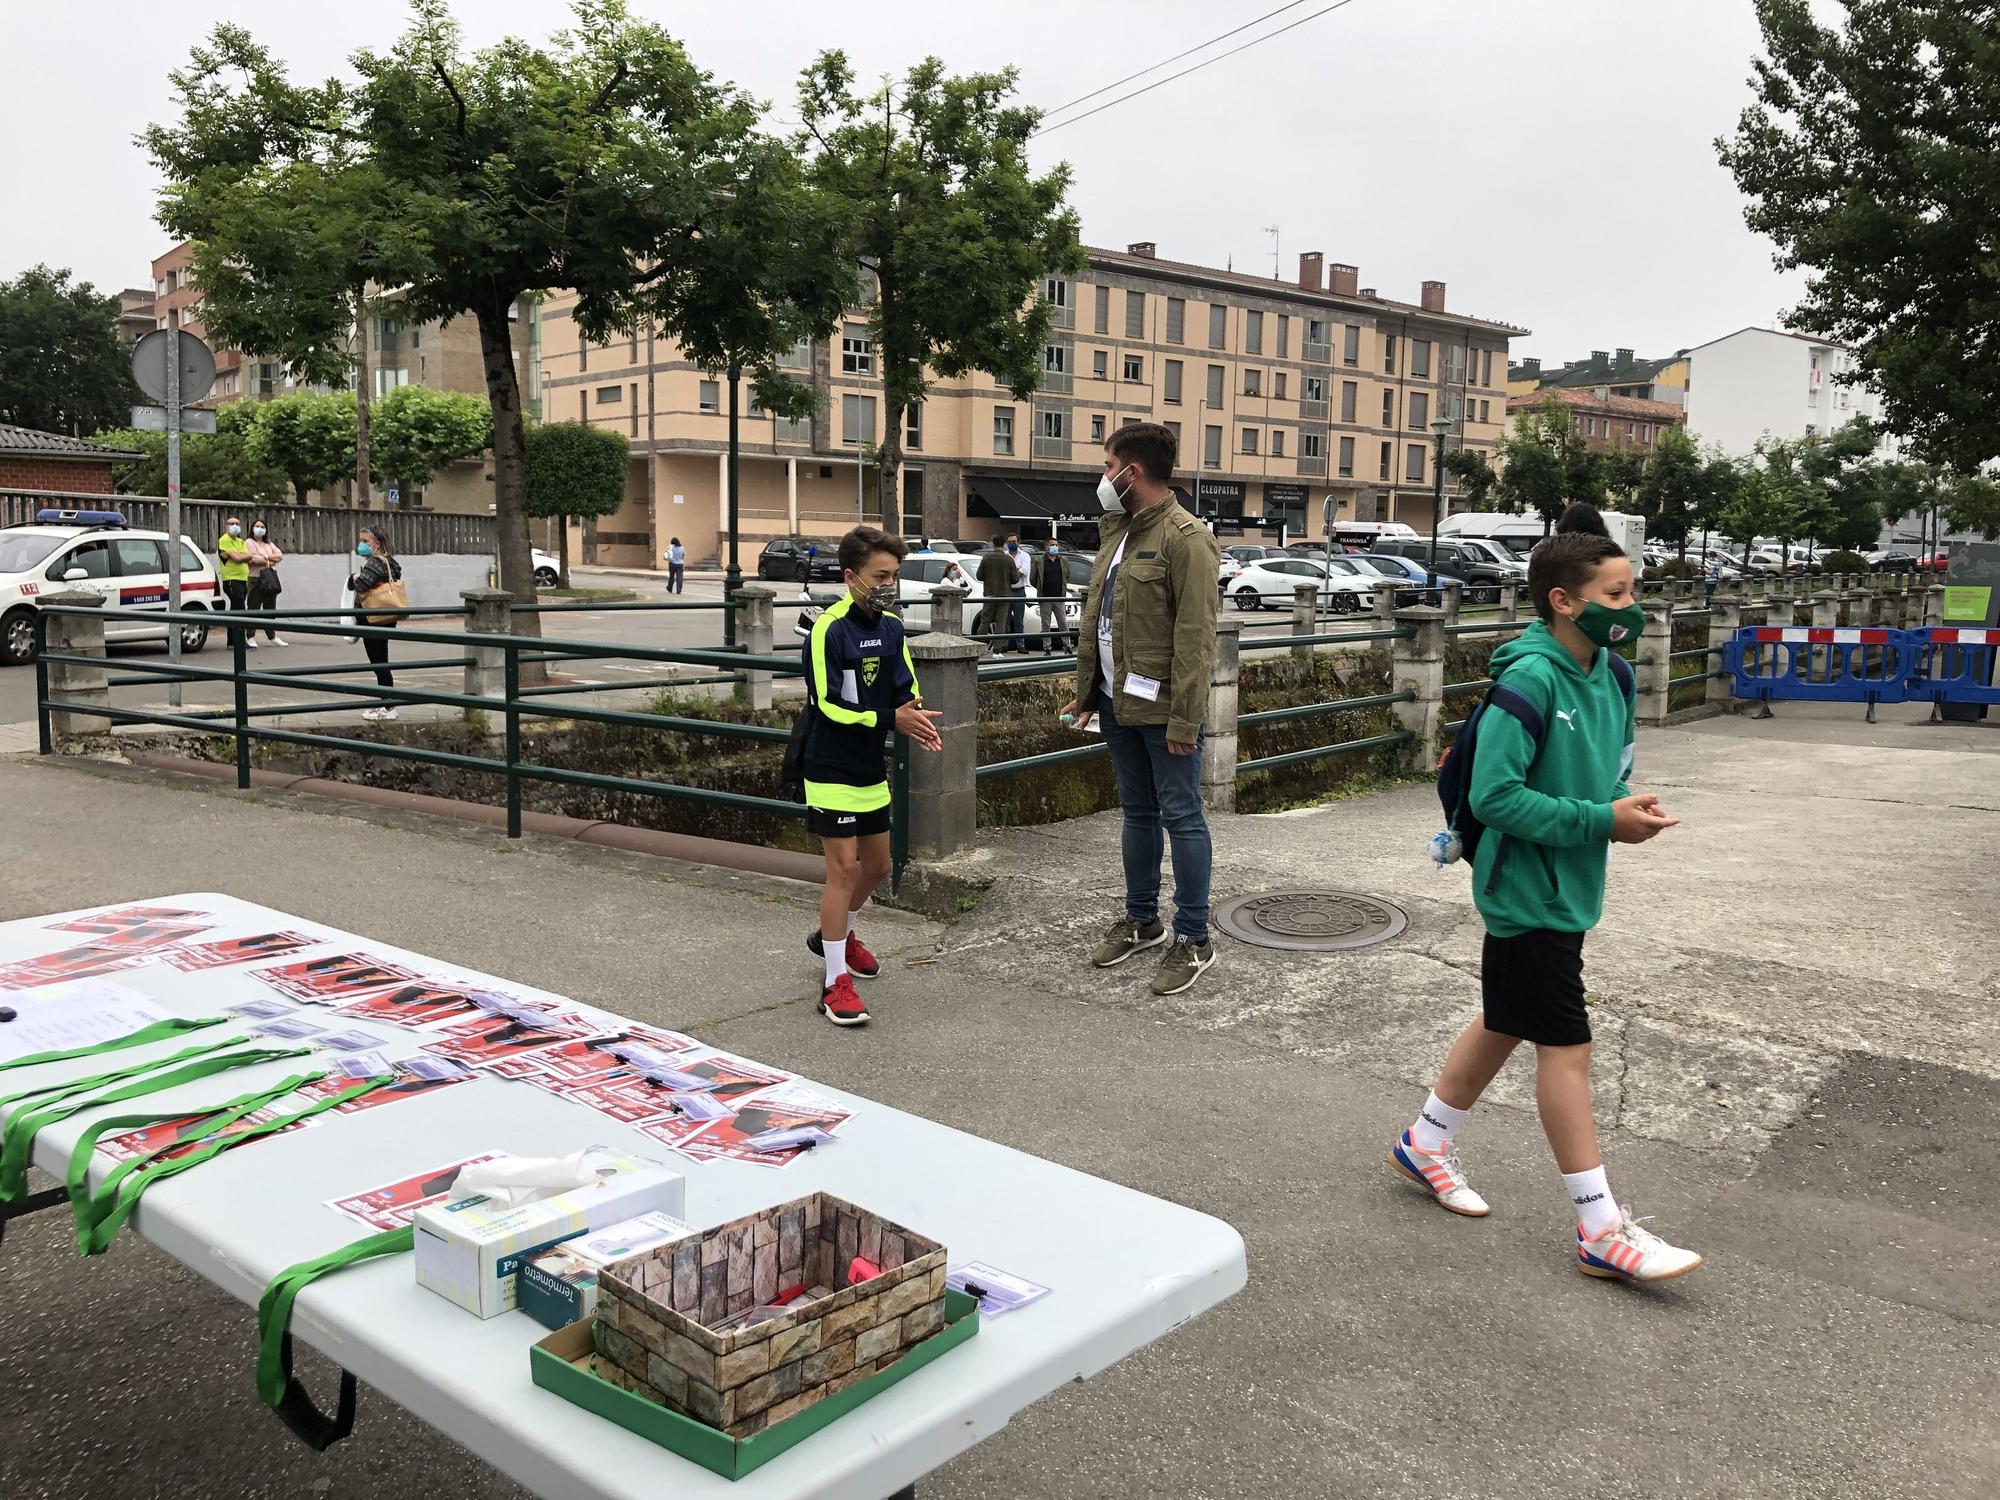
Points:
point(1538, 880)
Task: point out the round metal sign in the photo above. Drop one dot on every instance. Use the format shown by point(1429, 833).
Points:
point(149, 365)
point(1311, 921)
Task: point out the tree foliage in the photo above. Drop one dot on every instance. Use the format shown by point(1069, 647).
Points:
point(419, 431)
point(1868, 159)
point(309, 436)
point(950, 220)
point(1547, 465)
point(62, 367)
point(218, 467)
point(1672, 493)
point(1475, 474)
point(575, 469)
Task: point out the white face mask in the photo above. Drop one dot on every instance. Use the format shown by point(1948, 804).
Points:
point(256, 531)
point(1107, 494)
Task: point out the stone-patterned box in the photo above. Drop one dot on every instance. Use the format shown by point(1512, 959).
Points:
point(652, 1310)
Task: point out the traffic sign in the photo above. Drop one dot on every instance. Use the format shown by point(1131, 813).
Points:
point(149, 365)
point(154, 419)
point(395, 495)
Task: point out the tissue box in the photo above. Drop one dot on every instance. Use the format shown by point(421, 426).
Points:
point(559, 1286)
point(470, 1250)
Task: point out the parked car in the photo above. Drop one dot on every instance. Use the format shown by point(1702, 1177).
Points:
point(922, 574)
point(1462, 557)
point(548, 568)
point(1892, 560)
point(1414, 571)
point(970, 544)
point(1270, 583)
point(1249, 553)
point(95, 552)
point(779, 561)
point(1937, 563)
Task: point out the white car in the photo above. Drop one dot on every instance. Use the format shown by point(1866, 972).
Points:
point(1227, 569)
point(95, 552)
point(1270, 583)
point(548, 568)
point(923, 573)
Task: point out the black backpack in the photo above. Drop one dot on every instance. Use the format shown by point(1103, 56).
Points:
point(1462, 830)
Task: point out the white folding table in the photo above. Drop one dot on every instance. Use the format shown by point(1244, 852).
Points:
point(1124, 1267)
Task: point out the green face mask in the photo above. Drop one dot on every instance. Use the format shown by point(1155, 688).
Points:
point(1610, 627)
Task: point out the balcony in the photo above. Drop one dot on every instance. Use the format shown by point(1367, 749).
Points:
point(1318, 353)
point(1312, 467)
point(1051, 447)
point(1310, 410)
point(1061, 316)
point(795, 432)
point(1058, 381)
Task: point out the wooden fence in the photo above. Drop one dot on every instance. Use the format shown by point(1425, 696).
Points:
point(295, 528)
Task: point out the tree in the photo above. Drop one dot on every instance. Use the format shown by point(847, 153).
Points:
point(1971, 502)
point(1868, 160)
point(62, 368)
point(1672, 491)
point(1722, 478)
point(573, 469)
point(418, 431)
point(1475, 475)
point(1546, 464)
point(1621, 471)
point(309, 436)
point(955, 228)
point(1752, 510)
point(218, 467)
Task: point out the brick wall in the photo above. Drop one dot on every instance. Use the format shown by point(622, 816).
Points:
point(80, 476)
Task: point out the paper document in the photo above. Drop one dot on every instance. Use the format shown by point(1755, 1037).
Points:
point(58, 1018)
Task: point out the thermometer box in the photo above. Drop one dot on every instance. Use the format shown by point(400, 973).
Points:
point(559, 1286)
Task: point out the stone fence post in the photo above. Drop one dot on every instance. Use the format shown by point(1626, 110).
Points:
point(756, 623)
point(76, 635)
point(1218, 736)
point(949, 611)
point(1510, 601)
point(1933, 604)
point(1655, 670)
point(1417, 666)
point(487, 612)
point(1305, 616)
point(1725, 618)
point(944, 795)
point(1825, 616)
point(1454, 598)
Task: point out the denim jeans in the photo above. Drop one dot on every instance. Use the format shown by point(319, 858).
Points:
point(1017, 620)
point(1161, 795)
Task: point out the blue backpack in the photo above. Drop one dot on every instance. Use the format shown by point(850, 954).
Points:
point(1460, 836)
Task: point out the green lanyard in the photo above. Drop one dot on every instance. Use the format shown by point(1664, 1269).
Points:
point(108, 1208)
point(17, 1137)
point(86, 1208)
point(275, 1385)
point(159, 1031)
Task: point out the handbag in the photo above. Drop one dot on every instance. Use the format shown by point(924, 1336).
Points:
point(269, 584)
point(386, 595)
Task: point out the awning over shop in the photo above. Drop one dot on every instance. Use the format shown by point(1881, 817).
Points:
point(1026, 498)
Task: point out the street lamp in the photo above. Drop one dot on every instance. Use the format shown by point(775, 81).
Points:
point(1439, 425)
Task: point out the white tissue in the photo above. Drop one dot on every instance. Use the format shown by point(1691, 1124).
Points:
point(514, 1180)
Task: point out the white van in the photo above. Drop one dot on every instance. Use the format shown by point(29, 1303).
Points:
point(1520, 533)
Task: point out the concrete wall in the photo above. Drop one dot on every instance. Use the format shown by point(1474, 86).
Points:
point(314, 580)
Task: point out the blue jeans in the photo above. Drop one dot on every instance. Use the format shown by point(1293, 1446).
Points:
point(1161, 795)
point(1017, 620)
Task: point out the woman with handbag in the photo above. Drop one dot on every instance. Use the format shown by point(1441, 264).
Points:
point(377, 581)
point(264, 558)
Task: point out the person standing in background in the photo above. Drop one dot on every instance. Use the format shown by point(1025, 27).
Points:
point(677, 557)
point(996, 588)
point(264, 584)
point(1052, 592)
point(232, 565)
point(1017, 611)
point(377, 572)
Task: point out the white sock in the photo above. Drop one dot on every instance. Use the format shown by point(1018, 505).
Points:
point(836, 960)
point(1437, 1123)
point(1590, 1192)
point(850, 922)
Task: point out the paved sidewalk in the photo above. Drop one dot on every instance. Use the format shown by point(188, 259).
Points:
point(1795, 993)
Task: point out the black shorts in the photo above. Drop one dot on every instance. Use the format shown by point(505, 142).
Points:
point(846, 825)
point(1533, 987)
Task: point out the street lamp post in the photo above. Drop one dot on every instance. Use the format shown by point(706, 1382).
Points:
point(1439, 425)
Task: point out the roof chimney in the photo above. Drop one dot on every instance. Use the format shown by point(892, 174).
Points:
point(1433, 297)
point(1341, 279)
point(1599, 357)
point(1312, 274)
point(1144, 249)
point(1367, 294)
point(1531, 369)
point(1624, 359)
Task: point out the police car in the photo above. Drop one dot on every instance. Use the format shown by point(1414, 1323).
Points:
point(95, 552)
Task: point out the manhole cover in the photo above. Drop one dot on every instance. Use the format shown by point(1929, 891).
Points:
point(1311, 921)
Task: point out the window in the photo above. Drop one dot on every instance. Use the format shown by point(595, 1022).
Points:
point(138, 556)
point(1135, 367)
point(1175, 429)
point(1099, 368)
point(1055, 359)
point(1277, 442)
point(1215, 373)
point(1278, 384)
point(1576, 424)
point(1646, 437)
point(1176, 320)
point(614, 395)
point(1284, 336)
point(386, 330)
point(1631, 432)
point(1350, 348)
point(1003, 430)
point(1420, 410)
point(1350, 391)
point(1420, 357)
point(857, 420)
point(1312, 445)
point(1135, 315)
point(1387, 450)
point(1389, 406)
point(857, 350)
point(1253, 332)
point(1253, 382)
point(1413, 463)
point(1102, 322)
point(1211, 448)
point(1316, 334)
point(1454, 364)
point(1312, 388)
point(1486, 367)
point(913, 425)
point(798, 357)
point(1590, 427)
point(1052, 424)
point(1097, 429)
point(1249, 440)
point(1389, 353)
point(385, 380)
point(1347, 457)
point(93, 557)
point(1056, 291)
point(1170, 380)
point(1218, 325)
point(1483, 409)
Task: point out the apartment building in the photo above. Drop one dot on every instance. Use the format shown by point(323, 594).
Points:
point(177, 304)
point(1606, 420)
point(1621, 372)
point(1759, 381)
point(1285, 396)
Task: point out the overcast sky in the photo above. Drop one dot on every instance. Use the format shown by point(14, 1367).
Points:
point(1551, 161)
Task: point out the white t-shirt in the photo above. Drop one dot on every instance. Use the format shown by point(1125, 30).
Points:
point(1021, 566)
point(1104, 619)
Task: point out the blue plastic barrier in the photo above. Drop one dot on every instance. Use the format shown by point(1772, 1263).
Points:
point(1952, 664)
point(1785, 663)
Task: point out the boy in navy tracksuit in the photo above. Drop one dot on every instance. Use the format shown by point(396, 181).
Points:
point(860, 683)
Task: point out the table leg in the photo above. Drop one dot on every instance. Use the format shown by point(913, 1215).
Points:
point(34, 1203)
point(907, 1492)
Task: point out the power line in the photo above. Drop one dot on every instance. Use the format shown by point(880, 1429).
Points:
point(1244, 47)
point(1293, 5)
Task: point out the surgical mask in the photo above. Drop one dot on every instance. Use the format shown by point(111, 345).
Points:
point(1107, 494)
point(256, 531)
point(1604, 626)
point(1052, 552)
point(362, 549)
point(1012, 548)
point(236, 531)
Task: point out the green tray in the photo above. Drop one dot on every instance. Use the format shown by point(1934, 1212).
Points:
point(714, 1450)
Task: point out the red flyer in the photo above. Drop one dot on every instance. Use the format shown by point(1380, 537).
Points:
point(102, 955)
point(192, 957)
point(321, 981)
point(734, 1076)
point(413, 1005)
point(188, 1133)
point(777, 1109)
point(119, 919)
point(630, 1100)
point(501, 1038)
point(556, 1067)
point(395, 1204)
point(405, 1087)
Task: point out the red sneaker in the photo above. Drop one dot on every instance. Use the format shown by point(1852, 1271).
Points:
point(860, 962)
point(840, 1005)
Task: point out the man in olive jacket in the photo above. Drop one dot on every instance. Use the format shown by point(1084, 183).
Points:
point(996, 587)
point(1151, 607)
